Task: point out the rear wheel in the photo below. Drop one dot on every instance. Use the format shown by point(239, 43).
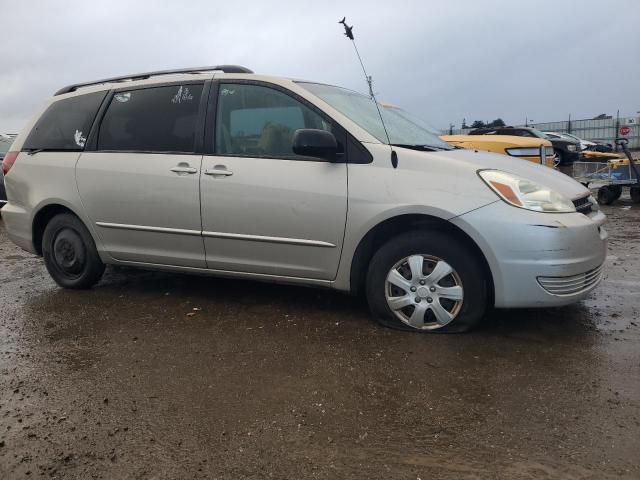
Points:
point(608, 194)
point(617, 191)
point(426, 282)
point(70, 253)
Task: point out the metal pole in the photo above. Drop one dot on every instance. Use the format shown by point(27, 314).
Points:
point(615, 134)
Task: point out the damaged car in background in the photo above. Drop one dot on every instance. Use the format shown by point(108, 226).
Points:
point(225, 172)
point(536, 150)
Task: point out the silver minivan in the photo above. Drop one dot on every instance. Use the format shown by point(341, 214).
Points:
point(218, 170)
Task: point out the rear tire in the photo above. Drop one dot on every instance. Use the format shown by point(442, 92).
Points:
point(607, 195)
point(427, 281)
point(70, 253)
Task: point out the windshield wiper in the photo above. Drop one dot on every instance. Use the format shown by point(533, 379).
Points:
point(422, 148)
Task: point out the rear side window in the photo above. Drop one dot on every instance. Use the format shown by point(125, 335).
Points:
point(158, 119)
point(65, 124)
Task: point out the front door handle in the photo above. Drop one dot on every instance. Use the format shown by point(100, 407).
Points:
point(183, 168)
point(218, 170)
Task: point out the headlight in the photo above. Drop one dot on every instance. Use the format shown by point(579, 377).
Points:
point(529, 152)
point(523, 193)
point(571, 147)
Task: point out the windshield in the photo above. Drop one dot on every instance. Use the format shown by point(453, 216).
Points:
point(570, 137)
point(403, 128)
point(537, 133)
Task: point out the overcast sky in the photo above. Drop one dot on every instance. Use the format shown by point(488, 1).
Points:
point(445, 60)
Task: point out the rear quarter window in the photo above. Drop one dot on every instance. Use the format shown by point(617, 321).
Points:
point(155, 119)
point(65, 124)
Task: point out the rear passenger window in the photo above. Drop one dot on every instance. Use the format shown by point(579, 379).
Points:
point(159, 119)
point(65, 124)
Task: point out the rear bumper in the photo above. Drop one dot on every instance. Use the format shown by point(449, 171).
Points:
point(529, 253)
point(18, 225)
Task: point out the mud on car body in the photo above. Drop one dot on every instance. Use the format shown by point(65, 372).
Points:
point(222, 171)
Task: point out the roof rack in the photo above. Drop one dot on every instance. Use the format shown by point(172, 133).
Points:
point(143, 76)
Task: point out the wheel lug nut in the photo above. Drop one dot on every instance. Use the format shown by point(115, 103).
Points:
point(421, 282)
point(418, 299)
point(429, 299)
point(413, 289)
point(432, 289)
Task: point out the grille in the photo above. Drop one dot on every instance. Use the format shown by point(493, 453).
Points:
point(583, 205)
point(573, 284)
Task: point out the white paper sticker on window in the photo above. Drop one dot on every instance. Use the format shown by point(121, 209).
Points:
point(123, 97)
point(227, 91)
point(183, 95)
point(79, 138)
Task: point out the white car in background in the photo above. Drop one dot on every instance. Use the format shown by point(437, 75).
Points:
point(584, 144)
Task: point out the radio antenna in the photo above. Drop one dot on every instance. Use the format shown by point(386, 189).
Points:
point(348, 32)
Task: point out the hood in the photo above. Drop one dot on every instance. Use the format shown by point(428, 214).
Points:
point(472, 161)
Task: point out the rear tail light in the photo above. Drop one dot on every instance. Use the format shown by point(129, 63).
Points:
point(9, 160)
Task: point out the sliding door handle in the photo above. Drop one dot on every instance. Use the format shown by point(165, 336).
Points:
point(183, 168)
point(218, 170)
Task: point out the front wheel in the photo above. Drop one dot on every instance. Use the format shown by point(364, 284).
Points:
point(427, 282)
point(70, 253)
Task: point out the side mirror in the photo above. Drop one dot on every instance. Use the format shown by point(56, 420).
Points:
point(315, 143)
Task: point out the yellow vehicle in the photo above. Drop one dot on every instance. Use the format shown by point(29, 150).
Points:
point(526, 148)
point(590, 155)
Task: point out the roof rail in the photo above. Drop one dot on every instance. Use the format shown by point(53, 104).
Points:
point(143, 76)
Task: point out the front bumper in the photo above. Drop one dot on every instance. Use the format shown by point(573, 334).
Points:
point(530, 252)
point(569, 157)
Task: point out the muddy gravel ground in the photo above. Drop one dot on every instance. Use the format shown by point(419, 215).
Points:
point(164, 376)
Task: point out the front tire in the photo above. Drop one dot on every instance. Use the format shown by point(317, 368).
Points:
point(70, 253)
point(427, 282)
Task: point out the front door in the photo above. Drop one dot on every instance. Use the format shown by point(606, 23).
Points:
point(264, 209)
point(140, 184)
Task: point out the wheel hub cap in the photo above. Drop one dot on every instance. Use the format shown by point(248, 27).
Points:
point(68, 252)
point(424, 292)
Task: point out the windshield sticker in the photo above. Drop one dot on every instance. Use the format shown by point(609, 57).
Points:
point(123, 97)
point(226, 91)
point(183, 95)
point(79, 138)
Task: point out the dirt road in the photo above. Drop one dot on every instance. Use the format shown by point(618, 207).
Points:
point(163, 376)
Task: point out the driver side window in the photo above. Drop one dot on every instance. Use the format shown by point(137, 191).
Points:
point(257, 121)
